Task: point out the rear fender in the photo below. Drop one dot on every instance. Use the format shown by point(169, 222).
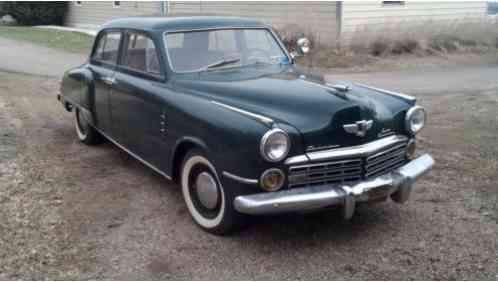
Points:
point(78, 89)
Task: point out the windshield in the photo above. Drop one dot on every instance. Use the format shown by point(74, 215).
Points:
point(211, 49)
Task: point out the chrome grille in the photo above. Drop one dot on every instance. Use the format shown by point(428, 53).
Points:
point(328, 172)
point(386, 160)
point(346, 170)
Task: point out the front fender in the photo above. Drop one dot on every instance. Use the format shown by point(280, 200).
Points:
point(230, 139)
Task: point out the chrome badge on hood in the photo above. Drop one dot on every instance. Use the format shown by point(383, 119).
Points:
point(358, 128)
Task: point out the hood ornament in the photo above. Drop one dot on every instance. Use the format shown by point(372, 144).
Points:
point(358, 128)
point(340, 87)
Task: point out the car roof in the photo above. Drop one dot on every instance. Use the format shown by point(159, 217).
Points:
point(184, 22)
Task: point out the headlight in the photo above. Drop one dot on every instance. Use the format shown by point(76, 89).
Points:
point(275, 145)
point(415, 119)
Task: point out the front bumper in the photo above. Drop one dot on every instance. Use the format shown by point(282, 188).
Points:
point(397, 184)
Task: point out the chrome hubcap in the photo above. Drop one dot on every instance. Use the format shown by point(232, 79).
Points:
point(207, 190)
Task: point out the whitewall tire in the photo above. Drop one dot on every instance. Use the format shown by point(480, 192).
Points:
point(84, 130)
point(208, 202)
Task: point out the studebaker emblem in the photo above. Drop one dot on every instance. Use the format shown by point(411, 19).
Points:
point(358, 128)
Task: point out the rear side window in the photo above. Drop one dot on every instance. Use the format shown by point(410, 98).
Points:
point(108, 47)
point(141, 54)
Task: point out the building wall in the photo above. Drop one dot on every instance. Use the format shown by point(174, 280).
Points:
point(376, 17)
point(327, 21)
point(317, 17)
point(93, 14)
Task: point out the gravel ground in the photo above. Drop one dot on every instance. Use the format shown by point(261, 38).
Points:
point(69, 211)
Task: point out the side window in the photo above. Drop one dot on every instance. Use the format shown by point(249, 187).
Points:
point(108, 47)
point(141, 54)
point(99, 52)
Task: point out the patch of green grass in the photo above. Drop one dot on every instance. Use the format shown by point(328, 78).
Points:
point(65, 40)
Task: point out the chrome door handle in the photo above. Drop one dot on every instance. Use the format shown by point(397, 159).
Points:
point(108, 80)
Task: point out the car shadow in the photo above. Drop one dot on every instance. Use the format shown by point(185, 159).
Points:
point(329, 221)
point(300, 231)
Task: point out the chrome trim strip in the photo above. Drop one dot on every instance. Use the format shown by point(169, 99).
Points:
point(397, 184)
point(261, 118)
point(240, 179)
point(360, 150)
point(134, 155)
point(396, 94)
point(297, 159)
point(326, 86)
point(108, 80)
point(349, 152)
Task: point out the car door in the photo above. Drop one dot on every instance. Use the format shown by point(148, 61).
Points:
point(138, 114)
point(102, 64)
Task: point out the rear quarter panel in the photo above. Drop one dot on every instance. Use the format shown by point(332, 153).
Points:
point(78, 87)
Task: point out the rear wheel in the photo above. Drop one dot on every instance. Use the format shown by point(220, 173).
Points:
point(209, 203)
point(86, 133)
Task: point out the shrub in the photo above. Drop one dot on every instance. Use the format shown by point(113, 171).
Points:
point(444, 43)
point(36, 13)
point(380, 47)
point(2, 12)
point(404, 46)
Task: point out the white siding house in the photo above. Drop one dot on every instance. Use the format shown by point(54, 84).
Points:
point(91, 14)
point(331, 22)
point(316, 17)
point(386, 16)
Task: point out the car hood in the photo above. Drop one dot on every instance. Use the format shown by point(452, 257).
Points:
point(302, 100)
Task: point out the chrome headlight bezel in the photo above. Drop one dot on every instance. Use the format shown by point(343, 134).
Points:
point(264, 142)
point(409, 119)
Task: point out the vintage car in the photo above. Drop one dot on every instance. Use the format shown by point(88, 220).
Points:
point(219, 105)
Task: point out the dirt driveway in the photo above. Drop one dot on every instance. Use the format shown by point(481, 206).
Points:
point(25, 57)
point(69, 211)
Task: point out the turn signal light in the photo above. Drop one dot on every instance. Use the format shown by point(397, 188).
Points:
point(272, 179)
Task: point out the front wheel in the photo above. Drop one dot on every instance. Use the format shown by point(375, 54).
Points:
point(209, 204)
point(86, 133)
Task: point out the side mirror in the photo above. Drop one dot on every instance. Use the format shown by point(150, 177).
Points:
point(303, 46)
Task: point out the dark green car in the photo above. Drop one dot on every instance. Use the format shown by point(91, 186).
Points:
point(218, 105)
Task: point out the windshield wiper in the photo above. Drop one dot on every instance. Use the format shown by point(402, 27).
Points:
point(221, 63)
point(255, 63)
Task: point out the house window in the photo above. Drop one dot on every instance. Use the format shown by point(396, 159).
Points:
point(393, 3)
point(78, 3)
point(116, 4)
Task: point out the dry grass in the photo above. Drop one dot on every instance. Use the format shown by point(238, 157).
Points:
point(367, 46)
point(427, 38)
point(73, 42)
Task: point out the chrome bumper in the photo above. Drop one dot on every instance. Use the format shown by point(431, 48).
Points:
point(397, 184)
